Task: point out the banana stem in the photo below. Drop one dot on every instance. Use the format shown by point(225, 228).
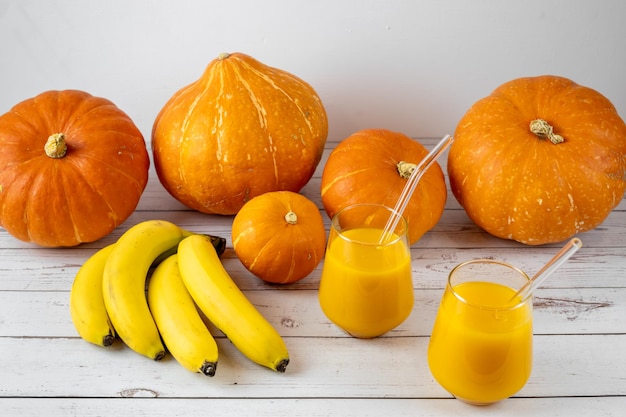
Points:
point(208, 368)
point(108, 340)
point(282, 365)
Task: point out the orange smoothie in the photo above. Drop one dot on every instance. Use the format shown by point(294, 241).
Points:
point(481, 354)
point(366, 288)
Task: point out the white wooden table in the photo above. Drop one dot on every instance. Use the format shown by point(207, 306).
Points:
point(580, 335)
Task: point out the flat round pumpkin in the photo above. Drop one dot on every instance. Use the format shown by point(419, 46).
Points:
point(539, 160)
point(241, 130)
point(279, 236)
point(373, 166)
point(72, 168)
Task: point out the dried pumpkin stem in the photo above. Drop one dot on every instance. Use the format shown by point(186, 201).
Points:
point(291, 218)
point(544, 130)
point(55, 146)
point(405, 169)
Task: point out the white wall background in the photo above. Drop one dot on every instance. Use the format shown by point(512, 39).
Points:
point(412, 66)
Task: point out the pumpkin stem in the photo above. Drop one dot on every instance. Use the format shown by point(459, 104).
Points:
point(291, 217)
point(223, 55)
point(544, 130)
point(405, 169)
point(55, 146)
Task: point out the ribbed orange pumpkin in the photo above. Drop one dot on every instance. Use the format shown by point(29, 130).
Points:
point(279, 236)
point(72, 168)
point(539, 160)
point(372, 166)
point(241, 130)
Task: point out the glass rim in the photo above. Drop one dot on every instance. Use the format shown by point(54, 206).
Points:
point(459, 297)
point(399, 237)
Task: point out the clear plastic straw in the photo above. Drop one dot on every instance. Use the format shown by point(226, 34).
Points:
point(559, 259)
point(411, 184)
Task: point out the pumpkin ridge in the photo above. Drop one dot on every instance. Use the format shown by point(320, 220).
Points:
point(193, 106)
point(292, 264)
point(36, 181)
point(82, 113)
point(34, 127)
point(6, 191)
point(271, 82)
point(41, 180)
point(309, 249)
point(261, 112)
point(97, 192)
point(68, 186)
point(68, 182)
point(341, 178)
point(188, 116)
point(18, 164)
point(242, 234)
point(296, 235)
point(266, 246)
point(140, 184)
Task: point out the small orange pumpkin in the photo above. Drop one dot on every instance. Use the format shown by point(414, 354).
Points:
point(241, 130)
point(373, 166)
point(72, 168)
point(279, 236)
point(539, 160)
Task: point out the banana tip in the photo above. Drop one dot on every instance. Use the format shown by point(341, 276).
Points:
point(208, 368)
point(282, 365)
point(108, 340)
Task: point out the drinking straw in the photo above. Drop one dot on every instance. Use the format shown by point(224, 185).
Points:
point(559, 259)
point(411, 184)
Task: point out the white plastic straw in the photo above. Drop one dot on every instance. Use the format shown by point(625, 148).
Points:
point(411, 184)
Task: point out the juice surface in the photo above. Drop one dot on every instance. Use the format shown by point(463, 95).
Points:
point(366, 289)
point(481, 355)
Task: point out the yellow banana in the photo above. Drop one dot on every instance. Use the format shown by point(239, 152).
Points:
point(87, 308)
point(185, 335)
point(124, 283)
point(219, 298)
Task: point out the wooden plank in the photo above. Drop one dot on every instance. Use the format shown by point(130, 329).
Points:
point(41, 269)
point(343, 407)
point(296, 313)
point(564, 365)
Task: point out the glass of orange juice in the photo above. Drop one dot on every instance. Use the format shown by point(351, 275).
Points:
point(480, 349)
point(366, 286)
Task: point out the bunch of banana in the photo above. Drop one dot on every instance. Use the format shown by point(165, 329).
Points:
point(108, 295)
point(182, 270)
point(223, 303)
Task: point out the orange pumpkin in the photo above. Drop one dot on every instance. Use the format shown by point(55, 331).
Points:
point(279, 236)
point(539, 160)
point(373, 166)
point(72, 168)
point(241, 130)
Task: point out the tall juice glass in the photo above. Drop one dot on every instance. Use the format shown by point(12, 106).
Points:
point(366, 286)
point(480, 349)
